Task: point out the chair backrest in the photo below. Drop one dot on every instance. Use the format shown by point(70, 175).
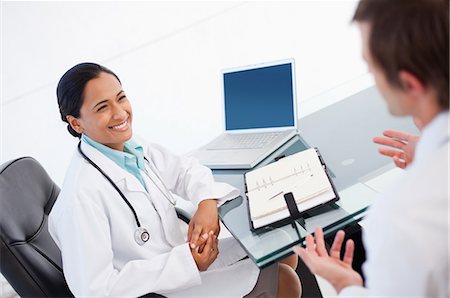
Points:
point(30, 259)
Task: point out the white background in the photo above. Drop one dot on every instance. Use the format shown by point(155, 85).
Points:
point(168, 56)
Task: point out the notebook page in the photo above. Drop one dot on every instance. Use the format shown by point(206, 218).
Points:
point(301, 173)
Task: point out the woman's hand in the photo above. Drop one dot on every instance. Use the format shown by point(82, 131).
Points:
point(204, 221)
point(403, 141)
point(338, 272)
point(209, 253)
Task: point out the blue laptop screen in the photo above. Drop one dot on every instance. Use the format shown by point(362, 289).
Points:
point(259, 98)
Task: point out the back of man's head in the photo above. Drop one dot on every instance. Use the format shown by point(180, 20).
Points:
point(410, 35)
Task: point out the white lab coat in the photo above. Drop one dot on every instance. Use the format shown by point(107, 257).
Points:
point(407, 228)
point(94, 228)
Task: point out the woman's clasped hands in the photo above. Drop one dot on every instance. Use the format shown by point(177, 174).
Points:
point(202, 234)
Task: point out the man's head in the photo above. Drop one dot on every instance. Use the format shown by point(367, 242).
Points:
point(406, 46)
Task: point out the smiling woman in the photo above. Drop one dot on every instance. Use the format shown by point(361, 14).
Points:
point(87, 83)
point(115, 220)
point(106, 114)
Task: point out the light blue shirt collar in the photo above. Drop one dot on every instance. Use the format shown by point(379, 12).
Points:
point(130, 159)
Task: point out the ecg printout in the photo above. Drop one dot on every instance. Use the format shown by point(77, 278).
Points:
point(301, 173)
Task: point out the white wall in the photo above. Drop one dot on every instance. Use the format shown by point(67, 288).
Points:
point(168, 56)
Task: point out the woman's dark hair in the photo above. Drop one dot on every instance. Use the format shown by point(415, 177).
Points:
point(70, 90)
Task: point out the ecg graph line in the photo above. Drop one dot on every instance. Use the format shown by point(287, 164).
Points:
point(297, 171)
point(294, 185)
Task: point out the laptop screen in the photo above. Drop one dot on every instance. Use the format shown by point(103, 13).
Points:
point(261, 97)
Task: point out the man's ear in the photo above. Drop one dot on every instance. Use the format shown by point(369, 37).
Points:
point(411, 84)
point(75, 123)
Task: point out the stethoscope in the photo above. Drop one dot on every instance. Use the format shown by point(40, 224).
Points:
point(141, 235)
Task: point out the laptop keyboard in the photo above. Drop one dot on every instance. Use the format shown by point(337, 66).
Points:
point(244, 141)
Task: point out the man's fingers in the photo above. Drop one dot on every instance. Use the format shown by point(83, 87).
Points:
point(337, 244)
point(310, 246)
point(400, 159)
point(305, 256)
point(401, 135)
point(389, 142)
point(401, 163)
point(388, 152)
point(349, 250)
point(297, 250)
point(320, 242)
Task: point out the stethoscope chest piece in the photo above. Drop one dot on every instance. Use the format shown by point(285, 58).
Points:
point(141, 235)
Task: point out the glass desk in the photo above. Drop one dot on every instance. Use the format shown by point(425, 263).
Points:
point(272, 244)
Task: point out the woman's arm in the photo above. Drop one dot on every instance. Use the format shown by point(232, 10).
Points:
point(189, 179)
point(186, 177)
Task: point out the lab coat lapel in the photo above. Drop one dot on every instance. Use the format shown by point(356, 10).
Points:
point(128, 183)
point(165, 210)
point(122, 178)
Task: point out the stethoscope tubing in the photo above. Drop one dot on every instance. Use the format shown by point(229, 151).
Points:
point(166, 193)
point(112, 183)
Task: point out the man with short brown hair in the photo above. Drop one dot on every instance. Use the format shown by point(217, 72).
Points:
point(406, 46)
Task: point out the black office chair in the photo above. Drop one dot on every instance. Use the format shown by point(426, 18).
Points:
point(30, 259)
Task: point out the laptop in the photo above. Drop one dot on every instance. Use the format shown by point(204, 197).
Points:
point(260, 115)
